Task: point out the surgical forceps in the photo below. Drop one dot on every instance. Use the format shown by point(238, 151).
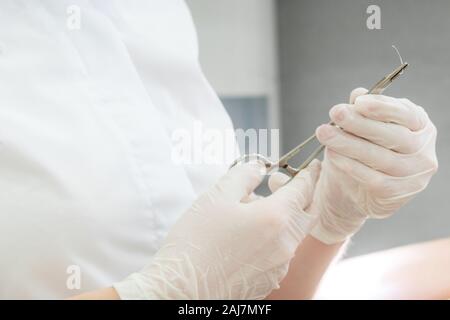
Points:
point(378, 88)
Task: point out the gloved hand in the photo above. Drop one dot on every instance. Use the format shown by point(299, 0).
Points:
point(383, 155)
point(224, 248)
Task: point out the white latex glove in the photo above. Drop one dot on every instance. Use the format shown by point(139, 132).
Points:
point(224, 248)
point(383, 156)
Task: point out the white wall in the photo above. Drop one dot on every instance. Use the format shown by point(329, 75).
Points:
point(238, 47)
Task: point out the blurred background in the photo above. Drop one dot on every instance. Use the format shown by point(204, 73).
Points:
point(284, 63)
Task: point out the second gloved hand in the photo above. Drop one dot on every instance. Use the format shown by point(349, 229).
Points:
point(382, 155)
point(225, 248)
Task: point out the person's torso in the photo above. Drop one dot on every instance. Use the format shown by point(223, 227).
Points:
point(87, 179)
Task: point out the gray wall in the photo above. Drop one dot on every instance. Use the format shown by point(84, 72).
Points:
point(326, 50)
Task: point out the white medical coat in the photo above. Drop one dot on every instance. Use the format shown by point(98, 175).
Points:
point(87, 182)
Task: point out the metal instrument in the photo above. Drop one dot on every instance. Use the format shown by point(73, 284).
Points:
point(283, 162)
